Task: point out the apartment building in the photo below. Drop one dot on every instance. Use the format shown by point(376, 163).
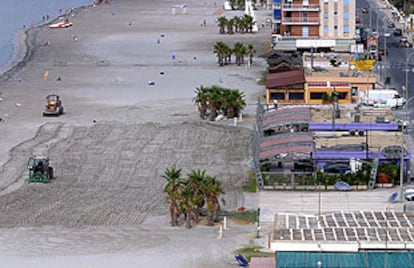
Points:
point(326, 25)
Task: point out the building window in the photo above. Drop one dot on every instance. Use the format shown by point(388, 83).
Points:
point(346, 29)
point(277, 96)
point(276, 14)
point(346, 3)
point(305, 31)
point(336, 27)
point(325, 28)
point(354, 91)
point(296, 96)
point(317, 95)
point(325, 15)
point(342, 95)
point(346, 16)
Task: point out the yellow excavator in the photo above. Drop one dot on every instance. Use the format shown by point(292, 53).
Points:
point(54, 105)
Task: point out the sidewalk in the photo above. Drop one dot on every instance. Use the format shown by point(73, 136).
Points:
point(409, 142)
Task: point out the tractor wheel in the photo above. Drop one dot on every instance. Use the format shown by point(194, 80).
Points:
point(50, 173)
point(61, 110)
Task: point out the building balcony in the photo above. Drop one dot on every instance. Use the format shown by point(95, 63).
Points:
point(300, 7)
point(300, 21)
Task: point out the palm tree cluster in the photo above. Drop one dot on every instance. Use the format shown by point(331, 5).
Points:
point(240, 4)
point(237, 24)
point(239, 50)
point(215, 100)
point(190, 196)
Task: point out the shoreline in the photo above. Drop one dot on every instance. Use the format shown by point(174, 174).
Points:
point(24, 44)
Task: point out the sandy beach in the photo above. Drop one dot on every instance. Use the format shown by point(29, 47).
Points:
point(117, 136)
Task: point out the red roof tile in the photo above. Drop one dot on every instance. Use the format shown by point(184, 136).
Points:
point(287, 78)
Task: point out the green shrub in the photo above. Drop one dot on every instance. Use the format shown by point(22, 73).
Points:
point(250, 251)
point(251, 186)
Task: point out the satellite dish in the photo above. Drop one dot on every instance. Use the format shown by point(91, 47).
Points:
point(392, 197)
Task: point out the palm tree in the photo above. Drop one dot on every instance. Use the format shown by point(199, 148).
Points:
point(230, 25)
point(173, 190)
point(222, 22)
point(242, 25)
point(250, 51)
point(220, 49)
point(239, 51)
point(236, 21)
point(196, 180)
point(201, 100)
point(212, 190)
point(240, 4)
point(249, 22)
point(232, 3)
point(227, 55)
point(187, 205)
point(234, 102)
point(215, 101)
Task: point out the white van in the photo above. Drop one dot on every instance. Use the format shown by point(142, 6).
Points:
point(389, 98)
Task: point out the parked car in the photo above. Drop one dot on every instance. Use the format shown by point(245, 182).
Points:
point(364, 10)
point(404, 42)
point(391, 25)
point(397, 32)
point(373, 49)
point(409, 195)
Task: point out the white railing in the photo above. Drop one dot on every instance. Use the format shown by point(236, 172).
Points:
point(299, 20)
point(290, 7)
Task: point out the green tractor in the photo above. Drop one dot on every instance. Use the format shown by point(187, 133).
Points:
point(39, 169)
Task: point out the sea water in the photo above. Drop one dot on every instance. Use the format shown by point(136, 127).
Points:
point(16, 14)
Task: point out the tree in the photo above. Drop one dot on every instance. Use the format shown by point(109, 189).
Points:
point(201, 100)
point(196, 181)
point(236, 21)
point(250, 52)
point(215, 100)
point(173, 190)
point(221, 50)
point(230, 25)
point(222, 22)
point(187, 205)
point(248, 22)
point(233, 102)
point(239, 51)
point(212, 190)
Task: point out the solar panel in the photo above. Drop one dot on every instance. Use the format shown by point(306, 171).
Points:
point(342, 227)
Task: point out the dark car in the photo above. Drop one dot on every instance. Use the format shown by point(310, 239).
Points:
point(364, 10)
point(391, 25)
point(397, 32)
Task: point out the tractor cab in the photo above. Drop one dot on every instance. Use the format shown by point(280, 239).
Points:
point(53, 105)
point(39, 169)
